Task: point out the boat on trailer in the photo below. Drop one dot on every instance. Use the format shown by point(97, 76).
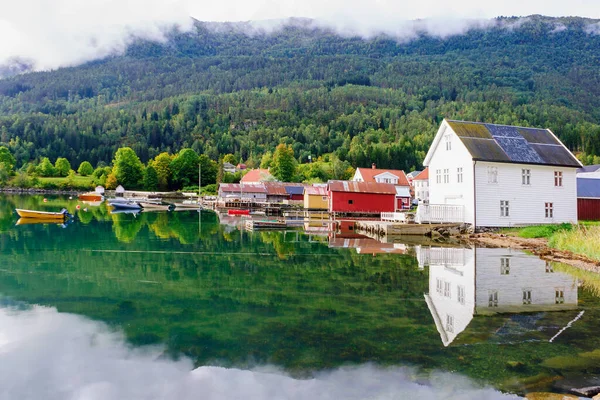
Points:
point(45, 215)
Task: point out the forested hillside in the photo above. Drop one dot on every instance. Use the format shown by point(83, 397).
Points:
point(219, 90)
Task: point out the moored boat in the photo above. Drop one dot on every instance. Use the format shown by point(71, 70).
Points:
point(126, 205)
point(154, 206)
point(238, 212)
point(91, 196)
point(63, 214)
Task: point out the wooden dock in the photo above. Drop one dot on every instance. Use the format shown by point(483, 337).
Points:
point(386, 228)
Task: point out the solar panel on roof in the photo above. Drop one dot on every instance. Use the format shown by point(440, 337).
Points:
point(518, 149)
point(503, 131)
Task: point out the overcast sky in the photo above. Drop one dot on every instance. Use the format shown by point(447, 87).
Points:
point(54, 33)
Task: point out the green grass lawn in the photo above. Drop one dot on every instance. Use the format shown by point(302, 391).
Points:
point(78, 180)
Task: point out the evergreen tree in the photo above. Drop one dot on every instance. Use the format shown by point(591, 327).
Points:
point(150, 178)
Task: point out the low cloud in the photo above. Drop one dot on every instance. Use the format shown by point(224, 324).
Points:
point(49, 355)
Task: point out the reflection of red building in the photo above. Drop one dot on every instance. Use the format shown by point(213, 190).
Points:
point(361, 197)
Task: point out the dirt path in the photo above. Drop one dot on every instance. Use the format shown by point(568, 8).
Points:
point(536, 246)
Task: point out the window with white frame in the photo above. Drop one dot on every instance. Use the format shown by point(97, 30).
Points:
point(504, 266)
point(460, 293)
point(438, 286)
point(449, 323)
point(493, 298)
point(447, 289)
point(526, 296)
point(438, 176)
point(559, 296)
point(549, 268)
point(526, 176)
point(492, 174)
point(504, 208)
point(549, 210)
point(459, 174)
point(448, 142)
point(446, 175)
point(558, 178)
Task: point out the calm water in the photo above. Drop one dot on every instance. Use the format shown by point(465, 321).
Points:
point(178, 305)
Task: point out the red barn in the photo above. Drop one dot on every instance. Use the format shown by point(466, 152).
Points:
point(588, 199)
point(361, 197)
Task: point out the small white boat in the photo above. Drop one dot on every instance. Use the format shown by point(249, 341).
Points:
point(154, 206)
point(187, 205)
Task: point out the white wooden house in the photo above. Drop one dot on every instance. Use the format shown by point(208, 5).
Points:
point(499, 175)
point(466, 283)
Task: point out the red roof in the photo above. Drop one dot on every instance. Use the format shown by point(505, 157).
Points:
point(316, 190)
point(257, 175)
point(275, 189)
point(369, 174)
point(423, 176)
point(361, 187)
point(246, 188)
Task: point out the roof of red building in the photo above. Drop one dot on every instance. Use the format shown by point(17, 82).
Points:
point(369, 174)
point(423, 176)
point(245, 188)
point(257, 175)
point(275, 188)
point(362, 187)
point(316, 190)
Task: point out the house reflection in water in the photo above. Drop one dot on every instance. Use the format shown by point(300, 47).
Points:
point(467, 282)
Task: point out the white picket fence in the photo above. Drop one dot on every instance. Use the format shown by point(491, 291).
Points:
point(440, 213)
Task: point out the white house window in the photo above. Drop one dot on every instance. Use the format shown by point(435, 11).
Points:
point(559, 296)
point(449, 323)
point(459, 174)
point(493, 298)
point(492, 174)
point(549, 210)
point(549, 268)
point(460, 292)
point(448, 142)
point(446, 289)
point(527, 296)
point(438, 286)
point(504, 208)
point(438, 176)
point(504, 266)
point(446, 175)
point(526, 176)
point(558, 178)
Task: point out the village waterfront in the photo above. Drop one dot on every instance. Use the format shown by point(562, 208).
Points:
point(176, 295)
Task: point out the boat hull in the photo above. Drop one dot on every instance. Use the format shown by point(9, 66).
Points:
point(153, 206)
point(56, 216)
point(90, 197)
point(238, 212)
point(126, 206)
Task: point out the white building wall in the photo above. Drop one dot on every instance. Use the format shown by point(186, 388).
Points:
point(421, 188)
point(452, 192)
point(452, 271)
point(526, 202)
point(525, 273)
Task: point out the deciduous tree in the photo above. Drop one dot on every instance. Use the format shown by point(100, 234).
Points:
point(85, 169)
point(283, 166)
point(127, 168)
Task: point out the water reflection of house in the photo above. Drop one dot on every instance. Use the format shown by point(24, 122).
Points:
point(365, 245)
point(464, 283)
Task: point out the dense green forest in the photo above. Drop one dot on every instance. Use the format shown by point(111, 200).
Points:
point(380, 100)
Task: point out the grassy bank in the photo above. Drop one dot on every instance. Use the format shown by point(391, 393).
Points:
point(583, 238)
point(580, 239)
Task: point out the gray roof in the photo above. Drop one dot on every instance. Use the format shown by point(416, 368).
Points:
point(588, 188)
point(512, 144)
point(589, 168)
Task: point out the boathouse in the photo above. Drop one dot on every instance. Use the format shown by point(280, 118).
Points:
point(497, 175)
point(588, 199)
point(350, 197)
point(246, 192)
point(316, 198)
point(276, 192)
point(295, 191)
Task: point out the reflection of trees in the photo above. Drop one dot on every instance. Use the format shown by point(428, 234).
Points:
point(282, 248)
point(127, 226)
point(176, 226)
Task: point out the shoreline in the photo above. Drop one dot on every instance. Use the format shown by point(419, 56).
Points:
point(537, 246)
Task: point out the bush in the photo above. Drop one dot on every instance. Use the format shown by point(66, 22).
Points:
point(209, 189)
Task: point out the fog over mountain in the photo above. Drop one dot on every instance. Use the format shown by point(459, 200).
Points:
point(43, 35)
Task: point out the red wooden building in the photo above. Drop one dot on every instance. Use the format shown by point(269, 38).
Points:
point(588, 199)
point(361, 197)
